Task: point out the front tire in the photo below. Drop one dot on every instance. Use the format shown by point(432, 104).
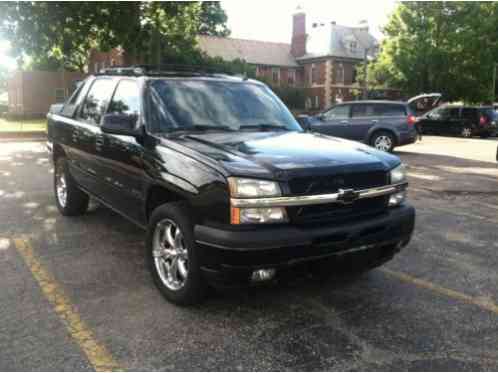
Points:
point(383, 141)
point(70, 200)
point(172, 255)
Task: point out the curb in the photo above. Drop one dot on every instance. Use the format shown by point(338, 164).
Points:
point(23, 136)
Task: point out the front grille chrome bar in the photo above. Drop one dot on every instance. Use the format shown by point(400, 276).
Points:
point(318, 199)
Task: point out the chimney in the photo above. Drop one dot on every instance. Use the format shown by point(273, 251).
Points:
point(298, 43)
point(363, 25)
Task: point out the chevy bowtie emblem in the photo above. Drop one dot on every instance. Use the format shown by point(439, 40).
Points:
point(347, 196)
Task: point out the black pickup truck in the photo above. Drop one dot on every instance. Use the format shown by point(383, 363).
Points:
point(229, 188)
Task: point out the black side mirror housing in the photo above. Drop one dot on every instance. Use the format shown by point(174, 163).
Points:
point(304, 121)
point(120, 124)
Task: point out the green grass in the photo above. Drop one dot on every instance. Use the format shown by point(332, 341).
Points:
point(31, 125)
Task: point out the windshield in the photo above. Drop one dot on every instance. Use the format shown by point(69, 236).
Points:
point(202, 105)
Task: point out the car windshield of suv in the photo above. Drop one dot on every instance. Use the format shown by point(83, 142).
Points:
point(203, 105)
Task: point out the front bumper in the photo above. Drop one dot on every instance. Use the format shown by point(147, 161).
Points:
point(228, 257)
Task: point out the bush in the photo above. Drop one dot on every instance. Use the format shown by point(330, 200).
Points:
point(293, 97)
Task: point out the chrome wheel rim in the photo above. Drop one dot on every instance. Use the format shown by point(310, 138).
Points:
point(61, 188)
point(383, 143)
point(170, 254)
point(466, 132)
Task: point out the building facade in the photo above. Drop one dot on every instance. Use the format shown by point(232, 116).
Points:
point(32, 92)
point(323, 62)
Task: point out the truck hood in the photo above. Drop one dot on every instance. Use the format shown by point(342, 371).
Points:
point(283, 155)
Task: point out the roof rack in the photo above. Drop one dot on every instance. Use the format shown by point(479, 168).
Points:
point(161, 70)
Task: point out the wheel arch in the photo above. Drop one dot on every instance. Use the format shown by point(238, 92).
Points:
point(377, 130)
point(157, 195)
point(58, 151)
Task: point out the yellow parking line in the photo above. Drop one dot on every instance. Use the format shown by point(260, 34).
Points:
point(96, 353)
point(484, 303)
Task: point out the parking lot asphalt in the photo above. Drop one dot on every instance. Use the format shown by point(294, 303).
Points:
point(75, 293)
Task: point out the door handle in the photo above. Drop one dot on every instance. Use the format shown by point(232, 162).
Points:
point(375, 121)
point(99, 142)
point(344, 122)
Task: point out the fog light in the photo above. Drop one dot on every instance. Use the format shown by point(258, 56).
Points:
point(397, 198)
point(263, 274)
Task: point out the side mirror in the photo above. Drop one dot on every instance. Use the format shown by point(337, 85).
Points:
point(120, 124)
point(56, 108)
point(304, 121)
point(320, 117)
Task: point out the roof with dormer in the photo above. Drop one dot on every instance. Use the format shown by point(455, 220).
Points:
point(252, 51)
point(338, 41)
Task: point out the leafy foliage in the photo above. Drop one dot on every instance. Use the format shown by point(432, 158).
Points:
point(64, 32)
point(447, 47)
point(3, 78)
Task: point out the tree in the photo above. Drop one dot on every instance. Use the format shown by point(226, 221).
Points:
point(66, 31)
point(3, 78)
point(448, 47)
point(213, 19)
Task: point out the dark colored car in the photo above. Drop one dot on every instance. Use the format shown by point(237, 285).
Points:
point(459, 120)
point(381, 124)
point(424, 103)
point(228, 187)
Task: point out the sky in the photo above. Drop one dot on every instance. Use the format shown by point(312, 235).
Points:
point(5, 60)
point(272, 20)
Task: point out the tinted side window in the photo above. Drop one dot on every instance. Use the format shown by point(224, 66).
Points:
point(469, 113)
point(454, 113)
point(390, 110)
point(97, 100)
point(126, 99)
point(338, 112)
point(362, 110)
point(70, 105)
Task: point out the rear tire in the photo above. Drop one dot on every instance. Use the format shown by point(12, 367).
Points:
point(70, 200)
point(383, 141)
point(172, 255)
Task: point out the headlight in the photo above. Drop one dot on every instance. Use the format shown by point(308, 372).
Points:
point(398, 174)
point(252, 188)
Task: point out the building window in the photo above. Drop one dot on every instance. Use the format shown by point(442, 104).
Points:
point(339, 75)
point(353, 45)
point(317, 102)
point(291, 77)
point(308, 103)
point(96, 67)
point(60, 95)
point(355, 75)
point(314, 74)
point(275, 75)
point(113, 62)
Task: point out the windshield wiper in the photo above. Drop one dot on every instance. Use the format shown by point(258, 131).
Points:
point(265, 127)
point(202, 127)
point(207, 127)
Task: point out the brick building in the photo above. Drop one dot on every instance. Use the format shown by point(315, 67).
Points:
point(322, 62)
point(32, 92)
